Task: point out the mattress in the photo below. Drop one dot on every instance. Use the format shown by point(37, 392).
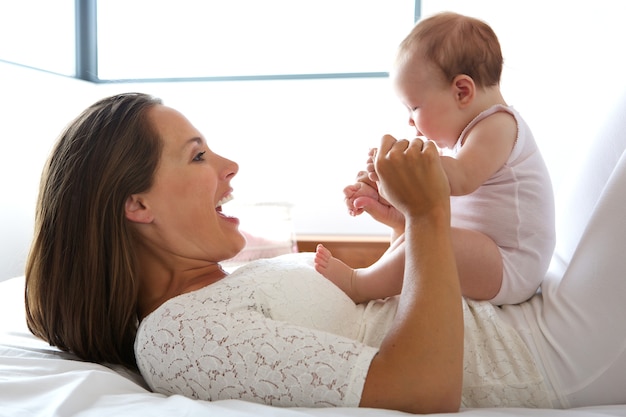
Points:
point(39, 380)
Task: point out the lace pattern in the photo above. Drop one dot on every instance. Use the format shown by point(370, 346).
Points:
point(277, 333)
point(231, 340)
point(499, 370)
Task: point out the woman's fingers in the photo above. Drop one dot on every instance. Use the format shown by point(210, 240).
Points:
point(410, 173)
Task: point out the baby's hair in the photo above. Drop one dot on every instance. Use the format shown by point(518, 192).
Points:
point(456, 44)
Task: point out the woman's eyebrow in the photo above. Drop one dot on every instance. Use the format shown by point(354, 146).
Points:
point(197, 140)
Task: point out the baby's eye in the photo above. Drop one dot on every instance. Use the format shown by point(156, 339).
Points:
point(199, 156)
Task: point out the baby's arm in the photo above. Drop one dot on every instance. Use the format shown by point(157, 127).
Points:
point(485, 150)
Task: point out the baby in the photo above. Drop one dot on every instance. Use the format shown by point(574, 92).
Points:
point(447, 73)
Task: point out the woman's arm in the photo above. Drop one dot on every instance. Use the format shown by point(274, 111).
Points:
point(419, 366)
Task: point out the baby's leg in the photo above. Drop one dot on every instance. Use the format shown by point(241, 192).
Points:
point(335, 270)
point(380, 280)
point(479, 263)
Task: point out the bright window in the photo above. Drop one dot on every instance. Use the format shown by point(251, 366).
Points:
point(117, 40)
point(38, 34)
point(239, 38)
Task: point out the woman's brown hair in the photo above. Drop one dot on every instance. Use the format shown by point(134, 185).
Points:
point(456, 45)
point(81, 285)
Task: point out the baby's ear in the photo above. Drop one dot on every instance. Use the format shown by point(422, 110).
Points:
point(464, 89)
point(136, 211)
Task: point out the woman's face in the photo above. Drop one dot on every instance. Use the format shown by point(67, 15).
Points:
point(185, 202)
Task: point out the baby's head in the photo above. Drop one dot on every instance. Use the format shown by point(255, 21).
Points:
point(455, 44)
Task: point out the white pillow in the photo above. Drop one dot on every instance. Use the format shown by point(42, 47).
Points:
point(599, 256)
point(13, 323)
point(577, 201)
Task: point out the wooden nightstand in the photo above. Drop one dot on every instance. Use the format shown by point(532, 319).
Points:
point(356, 251)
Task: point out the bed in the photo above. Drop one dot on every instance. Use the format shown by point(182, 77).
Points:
point(38, 380)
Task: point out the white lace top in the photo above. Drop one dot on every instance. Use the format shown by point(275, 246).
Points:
point(276, 332)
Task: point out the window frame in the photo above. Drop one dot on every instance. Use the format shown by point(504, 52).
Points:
point(87, 55)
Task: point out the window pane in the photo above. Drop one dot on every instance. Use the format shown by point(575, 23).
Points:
point(39, 34)
point(213, 38)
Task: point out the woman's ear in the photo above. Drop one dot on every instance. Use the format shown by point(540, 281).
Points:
point(464, 89)
point(136, 211)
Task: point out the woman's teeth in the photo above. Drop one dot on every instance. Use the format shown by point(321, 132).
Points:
point(224, 200)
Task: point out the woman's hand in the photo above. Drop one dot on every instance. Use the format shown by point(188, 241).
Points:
point(419, 367)
point(411, 177)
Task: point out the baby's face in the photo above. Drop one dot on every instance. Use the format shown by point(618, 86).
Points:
point(429, 99)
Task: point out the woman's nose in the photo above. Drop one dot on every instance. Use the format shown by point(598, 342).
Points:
point(232, 168)
point(229, 168)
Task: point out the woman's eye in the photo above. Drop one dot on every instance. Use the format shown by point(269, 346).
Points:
point(200, 156)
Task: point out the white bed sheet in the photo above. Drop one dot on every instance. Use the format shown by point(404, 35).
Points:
point(38, 380)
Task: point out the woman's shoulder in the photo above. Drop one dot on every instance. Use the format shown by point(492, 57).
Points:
point(255, 286)
point(284, 288)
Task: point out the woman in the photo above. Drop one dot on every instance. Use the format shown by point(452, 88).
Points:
point(129, 216)
point(129, 236)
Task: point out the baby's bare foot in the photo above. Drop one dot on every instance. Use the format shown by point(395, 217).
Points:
point(322, 257)
point(334, 270)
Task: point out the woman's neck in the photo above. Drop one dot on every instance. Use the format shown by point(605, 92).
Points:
point(158, 283)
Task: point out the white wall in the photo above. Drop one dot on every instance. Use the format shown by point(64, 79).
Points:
point(564, 67)
point(296, 141)
point(34, 107)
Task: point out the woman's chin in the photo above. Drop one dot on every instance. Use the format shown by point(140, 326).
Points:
point(240, 245)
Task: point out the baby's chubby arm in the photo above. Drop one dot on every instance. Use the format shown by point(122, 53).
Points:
point(485, 150)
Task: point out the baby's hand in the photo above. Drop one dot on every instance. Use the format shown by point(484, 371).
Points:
point(362, 197)
point(358, 196)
